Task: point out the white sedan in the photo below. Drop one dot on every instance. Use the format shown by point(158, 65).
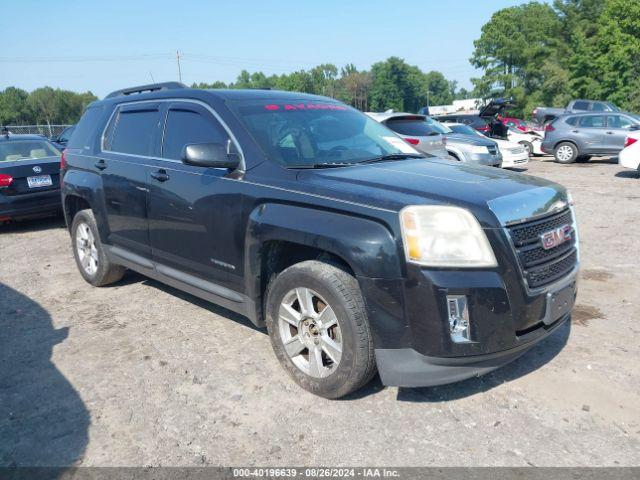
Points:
point(531, 140)
point(629, 157)
point(513, 154)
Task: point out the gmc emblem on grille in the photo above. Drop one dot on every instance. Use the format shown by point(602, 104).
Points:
point(556, 237)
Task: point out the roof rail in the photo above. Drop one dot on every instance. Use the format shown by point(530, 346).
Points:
point(153, 87)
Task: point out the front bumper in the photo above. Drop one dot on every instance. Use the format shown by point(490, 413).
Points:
point(30, 205)
point(514, 160)
point(484, 159)
point(410, 323)
point(408, 368)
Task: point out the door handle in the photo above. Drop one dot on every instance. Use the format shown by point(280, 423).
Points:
point(161, 175)
point(575, 131)
point(609, 133)
point(101, 164)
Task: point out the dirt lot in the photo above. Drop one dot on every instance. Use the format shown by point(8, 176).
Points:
point(141, 374)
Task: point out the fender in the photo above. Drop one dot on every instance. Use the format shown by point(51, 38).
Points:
point(367, 246)
point(88, 186)
point(459, 153)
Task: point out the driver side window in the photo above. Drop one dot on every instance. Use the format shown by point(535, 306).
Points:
point(187, 125)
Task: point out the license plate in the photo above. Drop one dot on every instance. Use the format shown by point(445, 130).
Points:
point(39, 181)
point(560, 303)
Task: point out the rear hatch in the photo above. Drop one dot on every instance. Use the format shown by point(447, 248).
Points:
point(31, 176)
point(496, 107)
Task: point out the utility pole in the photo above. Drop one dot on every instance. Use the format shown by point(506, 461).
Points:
point(179, 70)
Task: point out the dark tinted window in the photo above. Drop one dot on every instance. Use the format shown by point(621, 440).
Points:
point(618, 121)
point(581, 106)
point(188, 126)
point(572, 121)
point(83, 132)
point(598, 107)
point(416, 128)
point(133, 131)
point(592, 121)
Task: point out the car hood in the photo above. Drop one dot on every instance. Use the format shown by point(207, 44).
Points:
point(496, 197)
point(469, 139)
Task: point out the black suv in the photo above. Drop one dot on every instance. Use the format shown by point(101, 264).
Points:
point(355, 251)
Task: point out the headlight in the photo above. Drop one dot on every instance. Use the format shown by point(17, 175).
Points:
point(479, 149)
point(444, 236)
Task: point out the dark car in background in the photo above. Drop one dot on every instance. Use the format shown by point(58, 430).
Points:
point(61, 140)
point(576, 137)
point(29, 177)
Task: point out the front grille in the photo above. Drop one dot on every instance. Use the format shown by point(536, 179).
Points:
point(541, 267)
point(517, 151)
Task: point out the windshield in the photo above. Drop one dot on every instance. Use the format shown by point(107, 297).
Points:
point(14, 150)
point(464, 130)
point(304, 133)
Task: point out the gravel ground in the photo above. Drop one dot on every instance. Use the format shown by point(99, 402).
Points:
point(141, 374)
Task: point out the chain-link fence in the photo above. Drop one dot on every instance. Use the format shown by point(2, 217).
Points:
point(46, 130)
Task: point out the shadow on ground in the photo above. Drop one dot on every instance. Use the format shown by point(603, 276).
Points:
point(33, 225)
point(43, 420)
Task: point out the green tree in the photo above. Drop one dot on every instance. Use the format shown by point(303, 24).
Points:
point(13, 106)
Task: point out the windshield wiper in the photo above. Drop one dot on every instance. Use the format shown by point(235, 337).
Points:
point(392, 156)
point(323, 165)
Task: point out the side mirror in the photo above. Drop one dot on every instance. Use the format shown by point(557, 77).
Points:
point(635, 127)
point(214, 155)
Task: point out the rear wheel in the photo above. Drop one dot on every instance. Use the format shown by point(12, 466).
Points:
point(566, 152)
point(319, 329)
point(91, 259)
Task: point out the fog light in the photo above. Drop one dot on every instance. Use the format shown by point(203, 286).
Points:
point(459, 327)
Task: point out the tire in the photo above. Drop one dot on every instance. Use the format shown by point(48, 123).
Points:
point(566, 152)
point(310, 359)
point(91, 258)
point(528, 147)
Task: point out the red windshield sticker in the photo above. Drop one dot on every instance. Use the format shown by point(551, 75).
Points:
point(304, 106)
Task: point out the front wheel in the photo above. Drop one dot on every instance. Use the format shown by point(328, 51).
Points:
point(528, 147)
point(90, 256)
point(566, 152)
point(319, 330)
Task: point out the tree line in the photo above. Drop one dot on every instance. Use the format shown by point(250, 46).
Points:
point(45, 106)
point(537, 53)
point(388, 84)
point(547, 54)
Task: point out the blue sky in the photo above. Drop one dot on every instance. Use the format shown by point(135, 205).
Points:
point(106, 45)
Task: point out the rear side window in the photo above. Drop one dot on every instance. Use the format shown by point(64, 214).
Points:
point(82, 135)
point(412, 127)
point(598, 107)
point(592, 121)
point(572, 121)
point(132, 130)
point(581, 106)
point(186, 126)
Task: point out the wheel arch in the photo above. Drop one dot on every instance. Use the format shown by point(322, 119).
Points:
point(279, 236)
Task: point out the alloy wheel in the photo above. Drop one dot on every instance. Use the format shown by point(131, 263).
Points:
point(310, 332)
point(86, 249)
point(565, 153)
